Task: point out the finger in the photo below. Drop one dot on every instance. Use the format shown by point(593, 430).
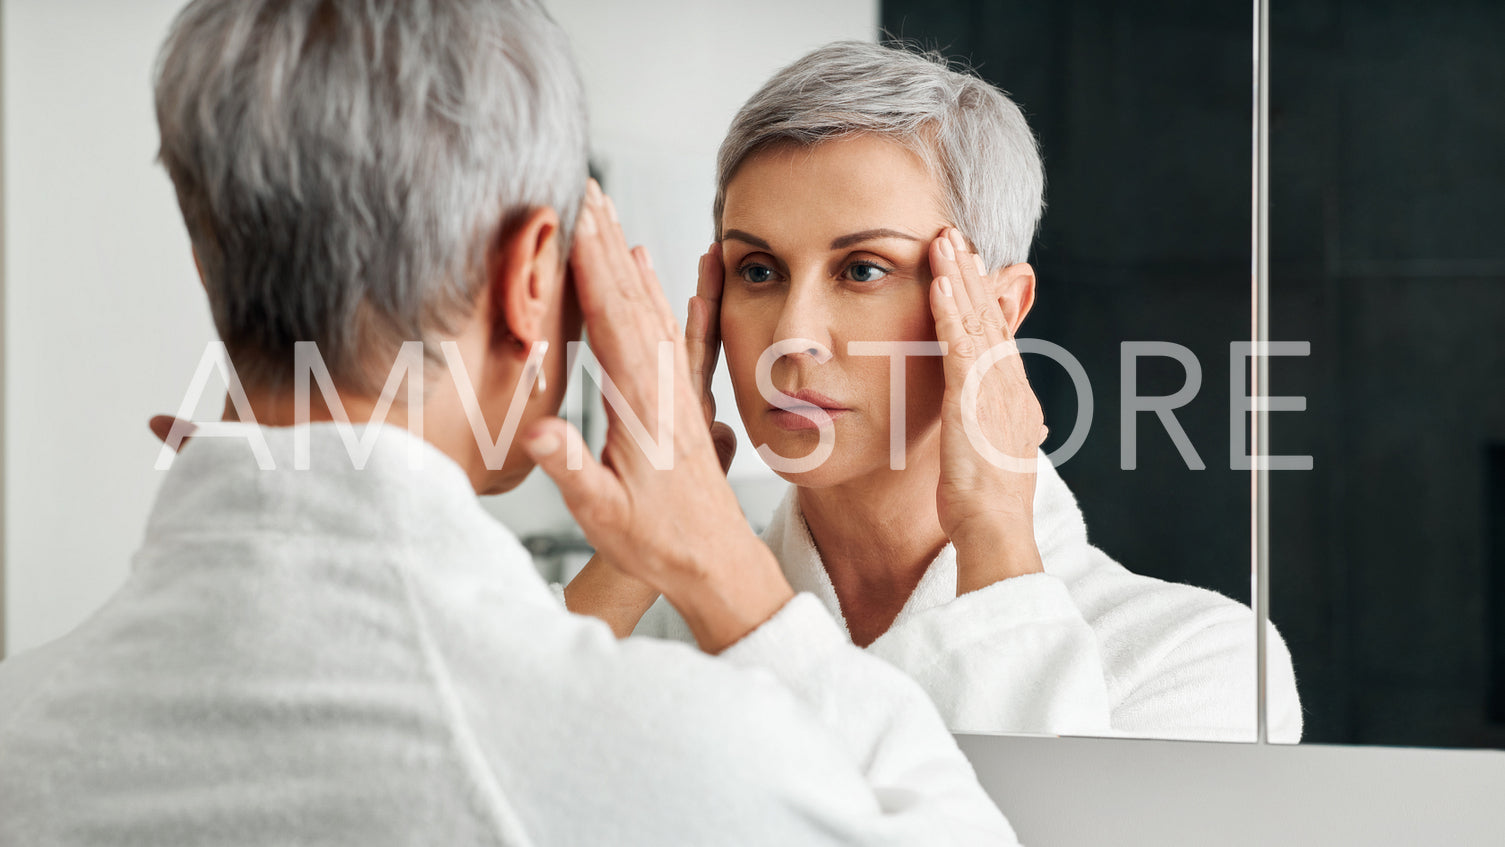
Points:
point(708, 287)
point(983, 300)
point(623, 332)
point(701, 360)
point(592, 492)
point(615, 242)
point(602, 265)
point(161, 426)
point(595, 285)
point(961, 346)
point(712, 277)
point(655, 291)
point(943, 259)
point(725, 439)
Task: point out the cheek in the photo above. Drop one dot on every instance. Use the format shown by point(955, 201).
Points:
point(743, 339)
point(901, 317)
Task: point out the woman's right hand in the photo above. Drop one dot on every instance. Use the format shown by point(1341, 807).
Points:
point(703, 346)
point(678, 529)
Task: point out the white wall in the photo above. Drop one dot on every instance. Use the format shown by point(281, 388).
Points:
point(104, 317)
point(104, 322)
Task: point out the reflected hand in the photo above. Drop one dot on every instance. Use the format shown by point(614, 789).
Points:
point(703, 346)
point(986, 510)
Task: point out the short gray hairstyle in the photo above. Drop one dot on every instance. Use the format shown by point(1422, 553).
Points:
point(343, 165)
point(973, 138)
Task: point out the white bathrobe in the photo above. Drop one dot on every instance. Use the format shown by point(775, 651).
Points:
point(333, 656)
point(1086, 648)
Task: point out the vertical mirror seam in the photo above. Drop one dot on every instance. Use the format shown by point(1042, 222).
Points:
point(1259, 473)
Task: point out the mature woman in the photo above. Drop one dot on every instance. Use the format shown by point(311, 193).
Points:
point(870, 202)
point(329, 643)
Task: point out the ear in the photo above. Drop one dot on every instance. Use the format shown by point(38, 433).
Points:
point(1015, 285)
point(524, 273)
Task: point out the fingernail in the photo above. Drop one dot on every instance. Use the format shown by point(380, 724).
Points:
point(647, 259)
point(958, 241)
point(542, 445)
point(611, 210)
point(593, 190)
point(945, 285)
point(585, 223)
point(981, 267)
point(946, 249)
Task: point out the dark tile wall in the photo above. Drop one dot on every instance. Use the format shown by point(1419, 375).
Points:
point(1388, 255)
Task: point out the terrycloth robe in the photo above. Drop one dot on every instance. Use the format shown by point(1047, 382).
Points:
point(1086, 648)
point(366, 657)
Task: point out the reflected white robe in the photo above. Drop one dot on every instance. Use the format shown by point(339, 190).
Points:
point(1086, 648)
point(333, 656)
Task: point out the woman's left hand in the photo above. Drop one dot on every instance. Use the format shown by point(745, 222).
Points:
point(986, 503)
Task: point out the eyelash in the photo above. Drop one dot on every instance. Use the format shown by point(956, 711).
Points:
point(746, 266)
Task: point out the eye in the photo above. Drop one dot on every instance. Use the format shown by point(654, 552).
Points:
point(865, 272)
point(756, 274)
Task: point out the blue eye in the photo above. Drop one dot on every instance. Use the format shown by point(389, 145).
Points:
point(866, 272)
point(755, 274)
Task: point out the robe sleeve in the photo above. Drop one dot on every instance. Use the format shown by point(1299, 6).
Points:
point(924, 787)
point(1015, 656)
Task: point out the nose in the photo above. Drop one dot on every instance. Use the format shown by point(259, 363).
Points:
point(805, 318)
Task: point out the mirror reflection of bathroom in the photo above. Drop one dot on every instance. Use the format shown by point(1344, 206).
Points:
point(1387, 560)
point(1138, 625)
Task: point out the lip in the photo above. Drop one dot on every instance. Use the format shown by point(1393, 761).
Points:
point(807, 401)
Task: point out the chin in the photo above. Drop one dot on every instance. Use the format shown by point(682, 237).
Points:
point(505, 480)
point(843, 465)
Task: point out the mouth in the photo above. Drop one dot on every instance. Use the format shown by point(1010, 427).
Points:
point(808, 411)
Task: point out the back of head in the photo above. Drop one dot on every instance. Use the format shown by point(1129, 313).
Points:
point(342, 165)
point(971, 135)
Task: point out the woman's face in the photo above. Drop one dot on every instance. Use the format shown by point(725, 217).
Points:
point(830, 243)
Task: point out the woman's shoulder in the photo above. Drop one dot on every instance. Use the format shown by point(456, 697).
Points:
point(1106, 590)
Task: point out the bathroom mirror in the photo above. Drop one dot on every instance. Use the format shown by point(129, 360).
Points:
point(1387, 559)
point(1143, 117)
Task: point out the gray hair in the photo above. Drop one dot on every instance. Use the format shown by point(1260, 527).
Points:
point(344, 166)
point(972, 136)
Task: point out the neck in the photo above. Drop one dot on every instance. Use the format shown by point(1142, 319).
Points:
point(876, 536)
point(441, 421)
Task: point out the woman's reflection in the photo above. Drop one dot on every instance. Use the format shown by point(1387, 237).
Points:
point(845, 188)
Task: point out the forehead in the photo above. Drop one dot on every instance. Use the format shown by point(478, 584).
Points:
point(833, 188)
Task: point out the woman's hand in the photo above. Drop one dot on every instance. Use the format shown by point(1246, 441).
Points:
point(601, 589)
point(678, 528)
point(986, 510)
point(703, 345)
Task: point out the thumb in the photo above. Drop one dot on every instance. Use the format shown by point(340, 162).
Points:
point(725, 439)
point(161, 426)
point(592, 492)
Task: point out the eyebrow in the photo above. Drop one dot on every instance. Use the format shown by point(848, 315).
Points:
point(869, 235)
point(836, 244)
point(746, 237)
